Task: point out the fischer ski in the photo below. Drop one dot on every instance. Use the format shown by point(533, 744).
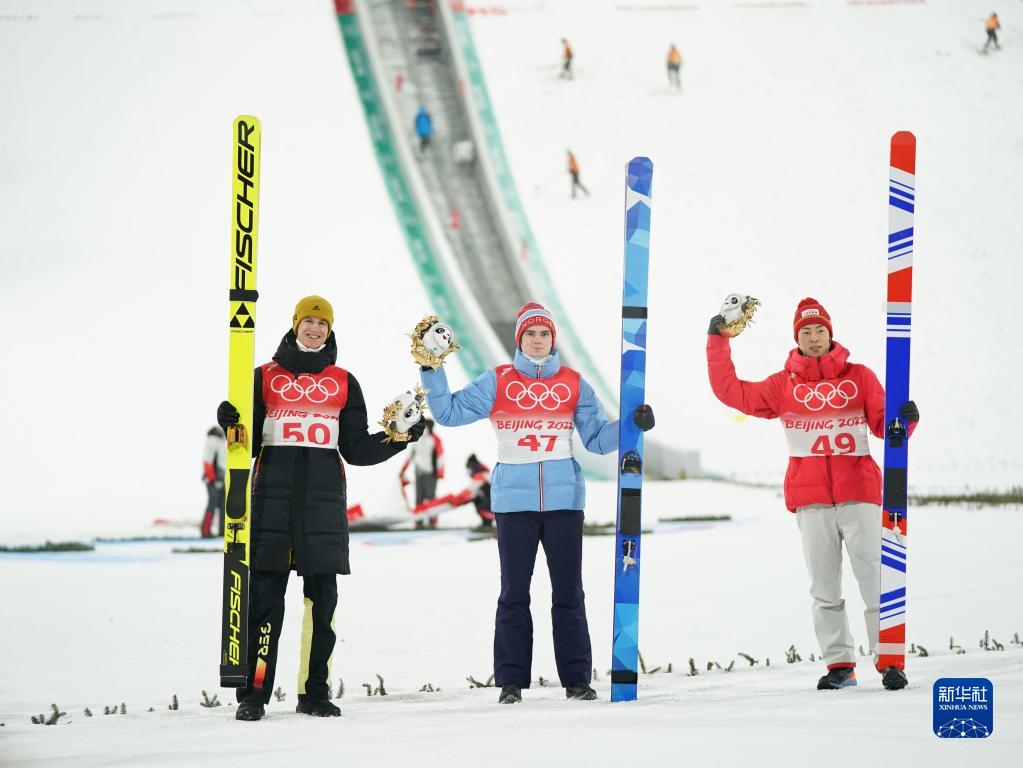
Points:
point(234, 671)
point(891, 648)
point(625, 641)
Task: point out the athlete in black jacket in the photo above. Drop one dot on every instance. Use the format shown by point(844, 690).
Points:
point(306, 411)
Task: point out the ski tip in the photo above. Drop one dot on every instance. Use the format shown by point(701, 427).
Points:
point(639, 173)
point(904, 151)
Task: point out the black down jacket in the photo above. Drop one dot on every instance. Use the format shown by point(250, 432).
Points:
point(299, 504)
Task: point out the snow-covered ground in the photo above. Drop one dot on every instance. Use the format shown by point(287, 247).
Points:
point(134, 623)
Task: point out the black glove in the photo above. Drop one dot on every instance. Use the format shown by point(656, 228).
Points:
point(644, 417)
point(909, 412)
point(416, 430)
point(227, 415)
point(714, 323)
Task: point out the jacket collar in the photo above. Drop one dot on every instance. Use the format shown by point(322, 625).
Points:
point(291, 358)
point(527, 368)
point(828, 366)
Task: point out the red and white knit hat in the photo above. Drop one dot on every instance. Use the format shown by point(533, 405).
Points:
point(810, 312)
point(534, 314)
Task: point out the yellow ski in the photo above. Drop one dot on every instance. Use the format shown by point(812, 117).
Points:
point(234, 670)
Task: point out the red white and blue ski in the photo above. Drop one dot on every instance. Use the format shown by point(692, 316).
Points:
point(891, 647)
point(625, 642)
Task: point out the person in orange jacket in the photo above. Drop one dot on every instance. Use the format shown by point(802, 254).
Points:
point(566, 60)
point(674, 65)
point(992, 26)
point(573, 169)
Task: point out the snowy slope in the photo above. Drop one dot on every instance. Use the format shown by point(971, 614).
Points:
point(114, 207)
point(135, 623)
point(771, 178)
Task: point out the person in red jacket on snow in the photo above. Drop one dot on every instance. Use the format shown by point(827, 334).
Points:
point(826, 406)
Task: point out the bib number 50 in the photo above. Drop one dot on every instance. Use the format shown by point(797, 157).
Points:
point(318, 434)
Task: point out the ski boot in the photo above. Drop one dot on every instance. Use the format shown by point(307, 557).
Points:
point(250, 710)
point(317, 707)
point(510, 694)
point(581, 692)
point(894, 679)
point(839, 677)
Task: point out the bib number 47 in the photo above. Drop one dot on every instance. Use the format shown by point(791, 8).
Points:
point(533, 442)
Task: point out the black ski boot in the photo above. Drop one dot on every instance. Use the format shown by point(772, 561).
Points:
point(250, 710)
point(317, 707)
point(580, 691)
point(839, 677)
point(894, 679)
point(510, 694)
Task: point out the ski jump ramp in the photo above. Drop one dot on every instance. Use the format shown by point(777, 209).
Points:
point(456, 202)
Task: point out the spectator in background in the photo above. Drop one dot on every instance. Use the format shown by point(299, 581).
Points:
point(566, 60)
point(214, 461)
point(573, 169)
point(674, 65)
point(992, 26)
point(424, 128)
point(427, 461)
point(480, 475)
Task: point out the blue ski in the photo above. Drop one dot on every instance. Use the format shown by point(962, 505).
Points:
point(891, 649)
point(625, 642)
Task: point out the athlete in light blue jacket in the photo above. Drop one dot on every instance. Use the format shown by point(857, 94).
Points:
point(537, 491)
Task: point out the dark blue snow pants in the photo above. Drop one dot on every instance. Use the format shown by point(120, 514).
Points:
point(518, 534)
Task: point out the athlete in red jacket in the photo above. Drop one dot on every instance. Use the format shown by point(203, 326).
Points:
point(826, 406)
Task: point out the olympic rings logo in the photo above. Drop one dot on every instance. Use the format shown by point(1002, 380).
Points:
point(314, 390)
point(825, 393)
point(538, 394)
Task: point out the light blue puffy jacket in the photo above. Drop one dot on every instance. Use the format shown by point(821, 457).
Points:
point(516, 487)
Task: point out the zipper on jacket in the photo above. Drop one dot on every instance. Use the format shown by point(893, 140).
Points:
point(540, 463)
point(827, 458)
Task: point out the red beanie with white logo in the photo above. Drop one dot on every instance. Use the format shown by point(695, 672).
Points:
point(810, 312)
point(533, 314)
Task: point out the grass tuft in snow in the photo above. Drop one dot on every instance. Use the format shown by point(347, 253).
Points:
point(474, 683)
point(428, 688)
point(750, 659)
point(173, 703)
point(55, 715)
point(208, 702)
point(988, 643)
point(279, 694)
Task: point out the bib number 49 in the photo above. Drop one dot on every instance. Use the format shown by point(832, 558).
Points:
point(532, 442)
point(844, 443)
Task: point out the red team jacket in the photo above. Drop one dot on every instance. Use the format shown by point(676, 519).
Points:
point(826, 406)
